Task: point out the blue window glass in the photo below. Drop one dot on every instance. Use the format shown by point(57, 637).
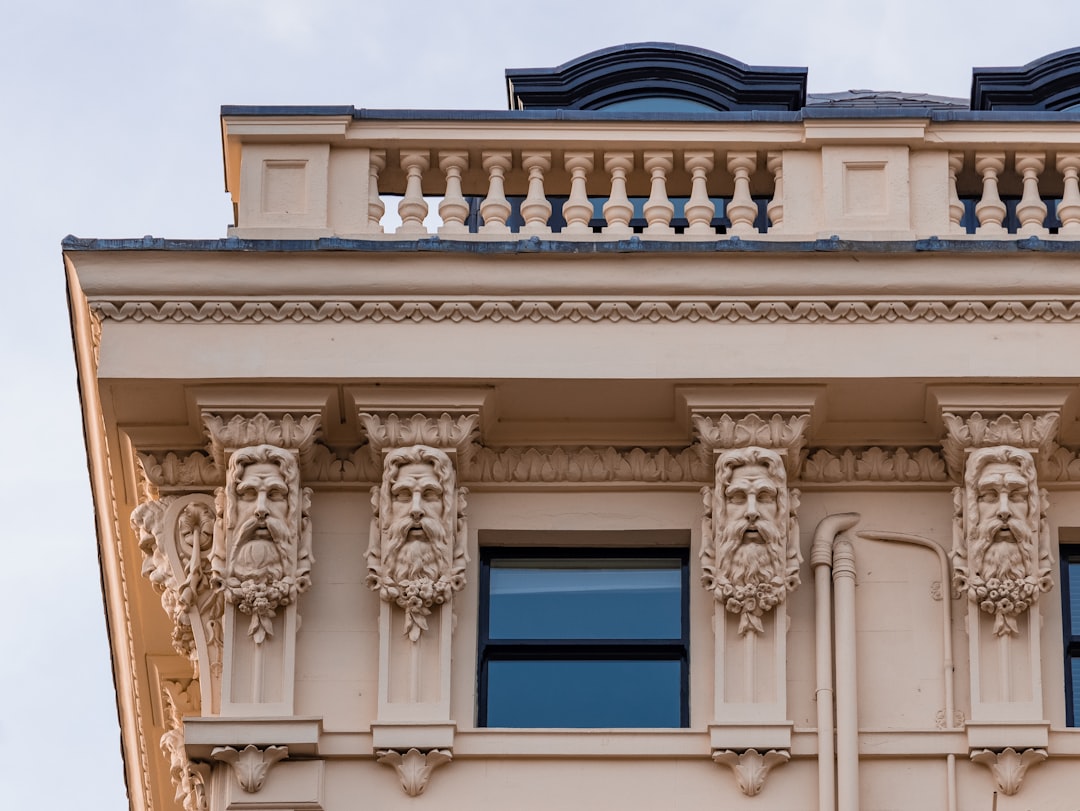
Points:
point(1070, 596)
point(583, 638)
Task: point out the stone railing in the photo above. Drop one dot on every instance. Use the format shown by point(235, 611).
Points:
point(505, 179)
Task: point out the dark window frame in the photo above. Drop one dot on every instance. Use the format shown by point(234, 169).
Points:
point(584, 650)
point(1069, 553)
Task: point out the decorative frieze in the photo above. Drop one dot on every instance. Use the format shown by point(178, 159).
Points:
point(1001, 555)
point(586, 464)
point(262, 541)
point(750, 541)
point(414, 767)
point(752, 311)
point(875, 465)
point(417, 555)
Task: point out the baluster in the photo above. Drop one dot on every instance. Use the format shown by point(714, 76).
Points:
point(496, 208)
point(535, 208)
point(577, 210)
point(658, 208)
point(956, 208)
point(742, 211)
point(375, 207)
point(617, 209)
point(1068, 209)
point(699, 209)
point(990, 210)
point(1031, 210)
point(413, 207)
point(774, 162)
point(454, 208)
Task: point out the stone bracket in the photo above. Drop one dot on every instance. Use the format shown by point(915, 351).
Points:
point(751, 767)
point(250, 765)
point(414, 767)
point(1009, 766)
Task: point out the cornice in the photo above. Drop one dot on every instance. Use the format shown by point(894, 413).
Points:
point(752, 311)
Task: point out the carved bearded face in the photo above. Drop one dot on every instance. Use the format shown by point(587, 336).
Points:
point(1003, 521)
point(261, 495)
point(753, 528)
point(417, 497)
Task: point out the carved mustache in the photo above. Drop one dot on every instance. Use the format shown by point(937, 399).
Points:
point(278, 529)
point(399, 529)
point(768, 530)
point(1019, 529)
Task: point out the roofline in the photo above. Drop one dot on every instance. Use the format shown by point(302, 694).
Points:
point(771, 116)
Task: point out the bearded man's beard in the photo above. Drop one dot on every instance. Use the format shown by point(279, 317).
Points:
point(410, 558)
point(744, 562)
point(261, 558)
point(1001, 558)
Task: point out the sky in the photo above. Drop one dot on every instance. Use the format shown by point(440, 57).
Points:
point(110, 129)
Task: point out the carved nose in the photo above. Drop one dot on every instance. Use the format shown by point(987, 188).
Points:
point(261, 508)
point(751, 508)
point(415, 510)
point(1003, 507)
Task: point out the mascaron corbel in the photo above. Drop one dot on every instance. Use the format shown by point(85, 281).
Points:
point(750, 552)
point(262, 556)
point(1001, 556)
point(417, 553)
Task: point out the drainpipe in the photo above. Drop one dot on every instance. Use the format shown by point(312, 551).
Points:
point(948, 670)
point(821, 561)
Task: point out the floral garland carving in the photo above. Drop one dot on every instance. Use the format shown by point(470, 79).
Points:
point(800, 312)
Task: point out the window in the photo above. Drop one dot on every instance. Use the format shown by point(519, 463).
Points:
point(583, 637)
point(1070, 597)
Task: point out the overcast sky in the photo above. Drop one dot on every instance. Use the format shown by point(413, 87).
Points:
point(110, 129)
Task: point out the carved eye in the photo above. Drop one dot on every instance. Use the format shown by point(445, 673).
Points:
point(737, 497)
point(277, 494)
point(988, 497)
point(402, 495)
point(766, 497)
point(246, 493)
point(1017, 495)
point(431, 494)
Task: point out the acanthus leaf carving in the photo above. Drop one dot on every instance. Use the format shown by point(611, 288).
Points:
point(197, 469)
point(242, 431)
point(417, 554)
point(875, 464)
point(1002, 558)
point(751, 767)
point(189, 778)
point(262, 536)
point(445, 431)
point(1009, 766)
point(965, 432)
point(750, 554)
point(586, 465)
point(414, 767)
point(779, 432)
point(251, 765)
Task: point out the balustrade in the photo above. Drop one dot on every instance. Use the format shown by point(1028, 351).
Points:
point(588, 187)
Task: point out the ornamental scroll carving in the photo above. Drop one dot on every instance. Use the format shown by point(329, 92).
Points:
point(176, 535)
point(1001, 552)
point(262, 538)
point(189, 778)
point(417, 555)
point(750, 542)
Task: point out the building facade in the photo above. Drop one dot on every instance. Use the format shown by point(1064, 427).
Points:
point(673, 437)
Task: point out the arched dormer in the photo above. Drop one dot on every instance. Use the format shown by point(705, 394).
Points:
point(1050, 83)
point(656, 77)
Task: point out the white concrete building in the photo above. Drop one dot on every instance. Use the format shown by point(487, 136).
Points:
point(673, 438)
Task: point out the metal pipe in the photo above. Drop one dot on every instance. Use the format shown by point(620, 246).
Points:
point(847, 699)
point(948, 667)
point(821, 558)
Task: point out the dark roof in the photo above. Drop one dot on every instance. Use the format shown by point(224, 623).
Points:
point(884, 98)
point(1051, 82)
